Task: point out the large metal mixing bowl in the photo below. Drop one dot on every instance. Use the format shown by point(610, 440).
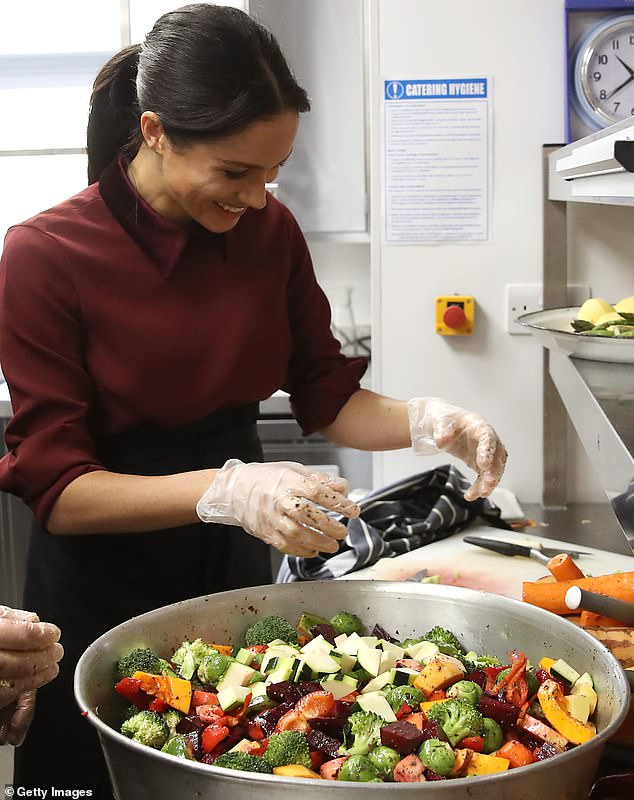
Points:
point(485, 622)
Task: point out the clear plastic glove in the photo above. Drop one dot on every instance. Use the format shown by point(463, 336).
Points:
point(438, 425)
point(279, 503)
point(29, 652)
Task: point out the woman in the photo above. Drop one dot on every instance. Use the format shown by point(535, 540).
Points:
point(142, 321)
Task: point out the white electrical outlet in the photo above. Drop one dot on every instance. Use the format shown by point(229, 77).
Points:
point(521, 299)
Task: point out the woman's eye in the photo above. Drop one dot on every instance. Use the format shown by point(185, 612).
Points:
point(235, 175)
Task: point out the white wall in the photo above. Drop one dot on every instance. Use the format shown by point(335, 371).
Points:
point(522, 48)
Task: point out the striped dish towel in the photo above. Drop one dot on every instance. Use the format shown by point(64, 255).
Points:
point(396, 519)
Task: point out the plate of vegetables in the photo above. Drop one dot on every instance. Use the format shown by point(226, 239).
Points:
point(323, 698)
point(596, 331)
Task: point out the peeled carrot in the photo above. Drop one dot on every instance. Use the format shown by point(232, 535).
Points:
point(588, 619)
point(551, 596)
point(563, 568)
point(224, 649)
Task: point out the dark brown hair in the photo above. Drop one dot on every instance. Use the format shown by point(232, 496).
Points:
point(207, 71)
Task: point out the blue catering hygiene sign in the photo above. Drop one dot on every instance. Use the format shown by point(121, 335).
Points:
point(436, 160)
point(441, 89)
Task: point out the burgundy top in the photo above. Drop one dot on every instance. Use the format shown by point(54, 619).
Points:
point(112, 317)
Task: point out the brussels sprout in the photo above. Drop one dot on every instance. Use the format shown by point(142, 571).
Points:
point(213, 667)
point(359, 768)
point(437, 756)
point(384, 759)
point(346, 622)
point(492, 735)
point(466, 690)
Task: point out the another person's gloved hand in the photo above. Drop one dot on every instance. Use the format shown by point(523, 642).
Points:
point(29, 652)
point(278, 502)
point(437, 425)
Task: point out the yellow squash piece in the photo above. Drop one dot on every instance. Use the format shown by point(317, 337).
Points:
point(429, 703)
point(481, 764)
point(551, 700)
point(176, 692)
point(546, 663)
point(296, 771)
point(439, 673)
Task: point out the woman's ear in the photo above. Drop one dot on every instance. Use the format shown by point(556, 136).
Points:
point(152, 131)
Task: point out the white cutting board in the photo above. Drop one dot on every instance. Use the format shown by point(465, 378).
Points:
point(462, 564)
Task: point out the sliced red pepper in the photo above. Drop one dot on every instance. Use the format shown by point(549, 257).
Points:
point(473, 743)
point(158, 705)
point(212, 736)
point(492, 676)
point(403, 711)
point(130, 688)
point(515, 680)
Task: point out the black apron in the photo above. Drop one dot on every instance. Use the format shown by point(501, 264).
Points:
point(88, 584)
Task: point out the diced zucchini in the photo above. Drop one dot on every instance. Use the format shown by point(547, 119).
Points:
point(585, 677)
point(318, 643)
point(581, 689)
point(321, 662)
point(381, 680)
point(338, 687)
point(245, 656)
point(259, 700)
point(423, 651)
point(232, 698)
point(236, 674)
point(370, 641)
point(348, 644)
point(369, 658)
point(282, 671)
point(375, 701)
point(560, 669)
point(300, 670)
point(403, 676)
point(578, 706)
point(348, 662)
point(272, 658)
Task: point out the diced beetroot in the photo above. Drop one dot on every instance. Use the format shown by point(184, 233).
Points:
point(505, 714)
point(326, 630)
point(308, 687)
point(402, 736)
point(333, 726)
point(343, 708)
point(317, 740)
point(283, 692)
point(192, 722)
point(477, 676)
point(381, 633)
point(193, 737)
point(547, 750)
point(432, 730)
point(268, 719)
point(434, 776)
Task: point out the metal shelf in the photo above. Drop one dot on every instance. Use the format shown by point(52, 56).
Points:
point(597, 397)
point(597, 169)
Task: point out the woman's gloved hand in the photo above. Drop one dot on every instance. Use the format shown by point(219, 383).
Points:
point(29, 652)
point(437, 425)
point(279, 503)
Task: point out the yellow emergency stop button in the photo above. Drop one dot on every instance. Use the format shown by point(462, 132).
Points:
point(455, 315)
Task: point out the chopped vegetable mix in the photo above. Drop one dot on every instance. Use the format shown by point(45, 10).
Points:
point(323, 700)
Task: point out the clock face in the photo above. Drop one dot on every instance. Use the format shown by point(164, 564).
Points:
point(604, 72)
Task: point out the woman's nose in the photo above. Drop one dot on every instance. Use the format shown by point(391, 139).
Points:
point(254, 196)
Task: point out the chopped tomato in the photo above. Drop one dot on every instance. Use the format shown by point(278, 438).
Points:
point(258, 648)
point(212, 736)
point(292, 721)
point(202, 698)
point(316, 704)
point(475, 743)
point(330, 769)
point(517, 754)
point(439, 694)
point(403, 711)
point(349, 698)
point(409, 770)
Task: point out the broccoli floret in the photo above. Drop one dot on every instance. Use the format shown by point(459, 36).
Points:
point(213, 667)
point(189, 656)
point(172, 717)
point(458, 718)
point(446, 641)
point(243, 761)
point(473, 661)
point(345, 622)
point(148, 728)
point(288, 747)
point(397, 695)
point(142, 659)
point(268, 628)
point(365, 727)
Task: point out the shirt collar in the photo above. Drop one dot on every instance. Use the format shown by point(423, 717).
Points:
point(160, 239)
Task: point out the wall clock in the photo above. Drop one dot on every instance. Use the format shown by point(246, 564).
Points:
point(600, 69)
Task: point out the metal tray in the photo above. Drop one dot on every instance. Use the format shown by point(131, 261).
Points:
point(552, 328)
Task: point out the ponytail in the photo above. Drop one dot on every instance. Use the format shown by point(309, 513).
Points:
point(113, 119)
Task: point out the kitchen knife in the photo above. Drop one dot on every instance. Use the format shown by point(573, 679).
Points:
point(541, 554)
